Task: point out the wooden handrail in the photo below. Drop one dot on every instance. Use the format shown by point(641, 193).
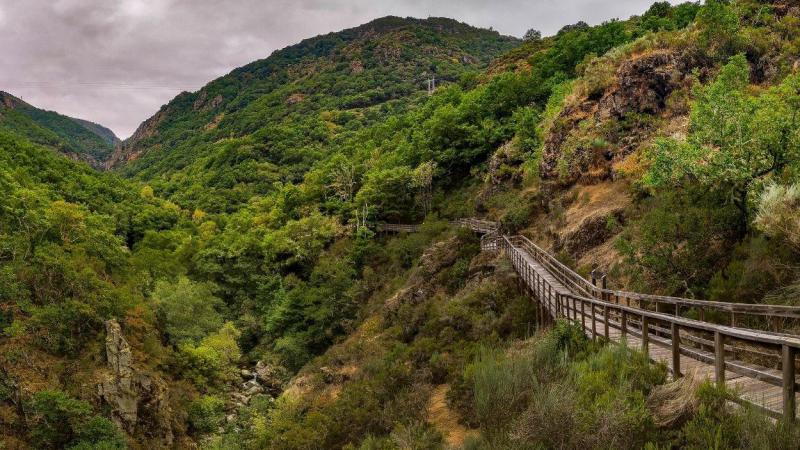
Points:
point(648, 325)
point(567, 295)
point(568, 276)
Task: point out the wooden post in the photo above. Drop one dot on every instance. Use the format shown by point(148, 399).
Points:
point(702, 314)
point(567, 308)
point(624, 323)
point(557, 306)
point(676, 351)
point(576, 310)
point(583, 315)
point(605, 321)
point(603, 295)
point(645, 335)
point(594, 326)
point(719, 358)
point(789, 403)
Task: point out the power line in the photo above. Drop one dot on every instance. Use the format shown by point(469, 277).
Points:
point(114, 85)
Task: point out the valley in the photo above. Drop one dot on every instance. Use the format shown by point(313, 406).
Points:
point(319, 250)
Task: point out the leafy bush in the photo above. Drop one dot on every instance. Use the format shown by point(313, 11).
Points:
point(778, 213)
point(213, 361)
point(718, 425)
point(206, 414)
point(516, 218)
point(58, 421)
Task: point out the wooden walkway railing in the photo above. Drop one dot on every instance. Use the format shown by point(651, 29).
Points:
point(737, 314)
point(759, 366)
point(397, 228)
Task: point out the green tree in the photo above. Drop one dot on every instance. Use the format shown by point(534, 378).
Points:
point(57, 421)
point(736, 139)
point(188, 310)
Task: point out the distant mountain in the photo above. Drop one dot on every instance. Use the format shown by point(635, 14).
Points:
point(76, 138)
point(299, 98)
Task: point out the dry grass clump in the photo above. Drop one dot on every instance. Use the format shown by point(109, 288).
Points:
point(676, 402)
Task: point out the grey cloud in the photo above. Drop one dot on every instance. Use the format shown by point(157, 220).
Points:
point(117, 62)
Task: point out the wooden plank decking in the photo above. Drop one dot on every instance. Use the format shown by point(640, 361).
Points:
point(760, 393)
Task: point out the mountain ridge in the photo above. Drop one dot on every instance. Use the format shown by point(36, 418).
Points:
point(336, 51)
point(78, 139)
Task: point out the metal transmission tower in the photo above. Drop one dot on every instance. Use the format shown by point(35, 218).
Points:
point(431, 85)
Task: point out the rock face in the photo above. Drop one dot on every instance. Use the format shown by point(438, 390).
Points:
point(640, 88)
point(130, 149)
point(118, 389)
point(138, 401)
point(270, 377)
point(643, 85)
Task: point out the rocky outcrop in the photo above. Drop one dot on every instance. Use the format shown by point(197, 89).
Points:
point(643, 85)
point(138, 400)
point(295, 98)
point(592, 133)
point(203, 103)
point(356, 67)
point(130, 149)
point(117, 389)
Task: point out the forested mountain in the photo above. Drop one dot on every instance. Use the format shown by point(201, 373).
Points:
point(224, 286)
point(79, 139)
point(271, 120)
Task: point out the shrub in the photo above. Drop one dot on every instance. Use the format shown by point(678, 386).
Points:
point(612, 385)
point(57, 420)
point(777, 215)
point(206, 414)
point(718, 425)
point(417, 435)
point(516, 217)
point(501, 384)
point(553, 409)
point(213, 361)
point(64, 329)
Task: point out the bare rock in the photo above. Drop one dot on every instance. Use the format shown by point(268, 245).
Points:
point(271, 377)
point(138, 400)
point(643, 85)
point(295, 98)
point(254, 390)
point(438, 256)
point(356, 67)
point(118, 389)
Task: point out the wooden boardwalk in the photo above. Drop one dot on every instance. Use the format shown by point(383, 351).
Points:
point(740, 345)
point(765, 395)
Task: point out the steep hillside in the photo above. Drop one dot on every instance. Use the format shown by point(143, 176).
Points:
point(233, 291)
point(78, 139)
point(270, 120)
point(67, 275)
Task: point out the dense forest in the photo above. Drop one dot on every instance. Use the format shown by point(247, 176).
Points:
point(223, 284)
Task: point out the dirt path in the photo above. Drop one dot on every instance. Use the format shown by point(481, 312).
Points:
point(445, 420)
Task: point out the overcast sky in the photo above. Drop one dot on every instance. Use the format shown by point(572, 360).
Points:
point(116, 62)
